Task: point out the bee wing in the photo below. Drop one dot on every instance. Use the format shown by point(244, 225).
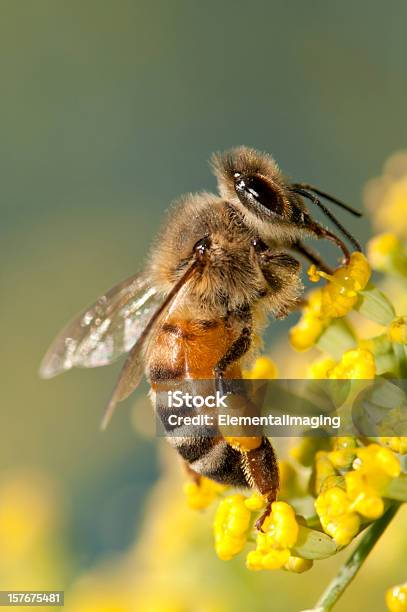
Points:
point(132, 370)
point(105, 330)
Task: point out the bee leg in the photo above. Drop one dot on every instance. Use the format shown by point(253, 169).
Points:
point(311, 255)
point(259, 464)
point(278, 267)
point(236, 350)
point(281, 273)
point(261, 469)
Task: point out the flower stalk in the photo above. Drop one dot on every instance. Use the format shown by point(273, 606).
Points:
point(352, 566)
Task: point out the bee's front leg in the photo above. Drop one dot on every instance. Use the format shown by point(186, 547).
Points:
point(281, 273)
point(311, 255)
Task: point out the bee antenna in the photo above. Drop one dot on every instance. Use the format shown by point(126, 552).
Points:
point(303, 192)
point(332, 199)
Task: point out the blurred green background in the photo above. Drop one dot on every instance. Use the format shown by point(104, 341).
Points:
point(109, 111)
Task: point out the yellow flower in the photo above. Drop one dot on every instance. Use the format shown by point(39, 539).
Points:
point(375, 467)
point(366, 501)
point(386, 196)
point(337, 519)
point(398, 330)
point(231, 524)
point(340, 294)
point(313, 274)
point(310, 326)
point(324, 469)
point(343, 528)
point(273, 559)
point(273, 546)
point(396, 444)
point(394, 207)
point(355, 364)
point(343, 453)
point(201, 494)
point(298, 565)
point(380, 250)
point(306, 332)
point(254, 560)
point(281, 526)
point(264, 368)
point(256, 501)
point(320, 369)
point(384, 244)
point(387, 253)
point(375, 458)
point(396, 598)
point(332, 503)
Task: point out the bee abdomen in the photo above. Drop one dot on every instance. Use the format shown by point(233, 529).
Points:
point(213, 458)
point(167, 361)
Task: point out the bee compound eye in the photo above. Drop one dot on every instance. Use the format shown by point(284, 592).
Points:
point(255, 190)
point(202, 246)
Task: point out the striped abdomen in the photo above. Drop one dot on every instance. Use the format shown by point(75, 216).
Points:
point(190, 350)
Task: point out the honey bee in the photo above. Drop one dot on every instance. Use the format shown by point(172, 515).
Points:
point(220, 266)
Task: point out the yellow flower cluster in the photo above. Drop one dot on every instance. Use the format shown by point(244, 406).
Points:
point(340, 293)
point(325, 474)
point(202, 493)
point(374, 469)
point(320, 368)
point(392, 212)
point(396, 598)
point(337, 520)
point(255, 502)
point(264, 368)
point(395, 443)
point(230, 527)
point(386, 253)
point(351, 481)
point(386, 196)
point(273, 545)
point(334, 300)
point(340, 506)
point(343, 453)
point(355, 364)
point(381, 249)
point(311, 324)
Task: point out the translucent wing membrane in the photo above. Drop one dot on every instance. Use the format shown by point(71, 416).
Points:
point(132, 370)
point(105, 330)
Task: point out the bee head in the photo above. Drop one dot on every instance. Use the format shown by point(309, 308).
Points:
point(253, 183)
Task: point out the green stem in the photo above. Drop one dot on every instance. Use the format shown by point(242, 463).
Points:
point(355, 562)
